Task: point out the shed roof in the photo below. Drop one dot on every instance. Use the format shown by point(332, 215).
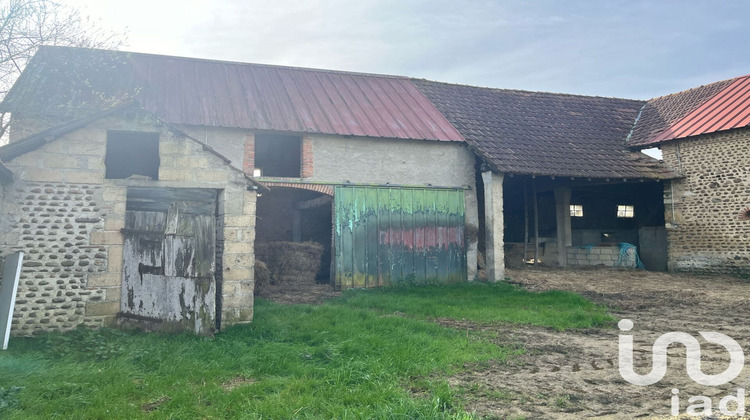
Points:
point(706, 109)
point(228, 94)
point(539, 133)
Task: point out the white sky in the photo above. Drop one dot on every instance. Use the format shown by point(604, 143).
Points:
point(628, 48)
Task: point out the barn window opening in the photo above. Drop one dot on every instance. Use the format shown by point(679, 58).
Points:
point(625, 211)
point(278, 155)
point(132, 155)
point(576, 210)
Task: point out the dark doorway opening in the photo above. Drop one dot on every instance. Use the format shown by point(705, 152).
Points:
point(293, 238)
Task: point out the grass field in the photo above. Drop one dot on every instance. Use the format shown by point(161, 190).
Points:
point(368, 354)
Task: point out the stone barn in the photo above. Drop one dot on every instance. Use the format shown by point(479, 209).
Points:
point(704, 136)
point(147, 189)
point(362, 167)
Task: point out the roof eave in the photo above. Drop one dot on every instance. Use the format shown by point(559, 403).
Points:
point(6, 175)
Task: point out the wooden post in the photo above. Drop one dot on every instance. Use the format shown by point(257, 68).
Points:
point(562, 216)
point(525, 220)
point(536, 222)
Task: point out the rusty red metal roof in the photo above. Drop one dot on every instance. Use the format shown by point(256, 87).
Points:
point(728, 109)
point(229, 94)
point(719, 106)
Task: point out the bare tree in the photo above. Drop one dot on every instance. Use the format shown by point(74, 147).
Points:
point(27, 24)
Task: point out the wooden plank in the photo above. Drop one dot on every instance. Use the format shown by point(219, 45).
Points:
point(145, 221)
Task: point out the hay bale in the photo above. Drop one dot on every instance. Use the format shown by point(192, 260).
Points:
point(514, 257)
point(291, 262)
point(262, 277)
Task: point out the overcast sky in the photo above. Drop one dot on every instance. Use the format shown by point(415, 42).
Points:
point(630, 48)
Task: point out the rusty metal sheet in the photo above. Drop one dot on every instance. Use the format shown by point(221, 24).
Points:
point(728, 109)
point(228, 94)
point(386, 236)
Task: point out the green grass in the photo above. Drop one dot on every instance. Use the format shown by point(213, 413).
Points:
point(344, 359)
point(485, 303)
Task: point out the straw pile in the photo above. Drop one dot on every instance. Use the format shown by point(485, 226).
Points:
point(514, 257)
point(262, 277)
point(291, 262)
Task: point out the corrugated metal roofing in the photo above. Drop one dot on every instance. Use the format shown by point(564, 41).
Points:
point(228, 94)
point(660, 115)
point(728, 109)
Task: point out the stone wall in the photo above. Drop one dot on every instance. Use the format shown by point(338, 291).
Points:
point(704, 231)
point(23, 125)
point(67, 217)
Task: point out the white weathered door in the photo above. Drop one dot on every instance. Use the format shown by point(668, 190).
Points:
point(170, 259)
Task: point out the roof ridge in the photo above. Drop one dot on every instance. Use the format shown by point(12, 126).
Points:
point(527, 91)
point(731, 79)
point(241, 63)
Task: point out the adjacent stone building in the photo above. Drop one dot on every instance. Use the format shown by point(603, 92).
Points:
point(703, 137)
point(68, 213)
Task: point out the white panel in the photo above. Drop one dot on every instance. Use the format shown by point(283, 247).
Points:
point(11, 274)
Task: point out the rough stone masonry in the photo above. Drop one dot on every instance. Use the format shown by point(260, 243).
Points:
point(704, 230)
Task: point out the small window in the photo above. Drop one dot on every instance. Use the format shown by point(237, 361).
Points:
point(625, 211)
point(132, 155)
point(576, 210)
point(277, 155)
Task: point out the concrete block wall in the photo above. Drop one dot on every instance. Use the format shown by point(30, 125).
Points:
point(704, 232)
point(600, 256)
point(67, 217)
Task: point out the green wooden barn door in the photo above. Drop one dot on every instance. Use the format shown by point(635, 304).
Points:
point(390, 235)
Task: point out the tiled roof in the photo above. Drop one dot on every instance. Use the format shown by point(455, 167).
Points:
point(227, 94)
point(545, 133)
point(659, 114)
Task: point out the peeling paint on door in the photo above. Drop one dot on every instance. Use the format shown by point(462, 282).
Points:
point(170, 259)
point(386, 235)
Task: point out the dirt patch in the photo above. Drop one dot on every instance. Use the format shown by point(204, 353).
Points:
point(298, 293)
point(237, 382)
point(153, 405)
point(574, 374)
